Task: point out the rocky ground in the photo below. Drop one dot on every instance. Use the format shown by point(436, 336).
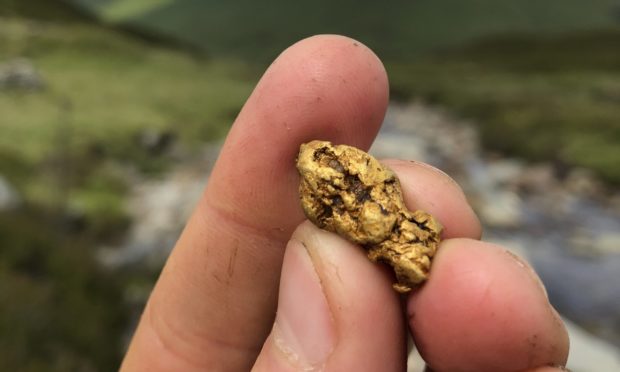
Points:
point(563, 221)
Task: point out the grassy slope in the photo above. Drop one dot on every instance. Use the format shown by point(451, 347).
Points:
point(104, 89)
point(555, 99)
point(41, 10)
point(398, 31)
point(535, 96)
point(67, 149)
point(59, 311)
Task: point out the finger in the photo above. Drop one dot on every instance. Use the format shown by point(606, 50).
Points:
point(427, 188)
point(424, 187)
point(336, 311)
point(483, 309)
point(215, 300)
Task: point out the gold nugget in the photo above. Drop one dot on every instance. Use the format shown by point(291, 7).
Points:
point(347, 191)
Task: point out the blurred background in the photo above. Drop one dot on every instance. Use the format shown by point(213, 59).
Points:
point(112, 113)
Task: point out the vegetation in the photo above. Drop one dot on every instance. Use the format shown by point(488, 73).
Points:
point(70, 148)
point(546, 88)
point(88, 70)
point(400, 30)
point(59, 311)
point(553, 99)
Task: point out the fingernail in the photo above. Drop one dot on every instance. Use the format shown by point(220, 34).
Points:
point(304, 328)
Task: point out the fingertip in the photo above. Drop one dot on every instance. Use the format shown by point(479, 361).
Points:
point(366, 310)
point(335, 79)
point(325, 87)
point(483, 310)
point(329, 65)
point(336, 310)
point(428, 188)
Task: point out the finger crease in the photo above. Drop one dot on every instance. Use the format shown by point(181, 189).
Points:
point(267, 232)
point(188, 347)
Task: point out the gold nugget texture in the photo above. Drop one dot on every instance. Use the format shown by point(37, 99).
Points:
point(347, 191)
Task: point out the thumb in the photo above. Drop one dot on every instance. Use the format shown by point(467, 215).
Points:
point(336, 310)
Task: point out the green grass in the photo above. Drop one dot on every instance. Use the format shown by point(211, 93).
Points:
point(122, 10)
point(102, 91)
point(70, 150)
point(57, 10)
point(551, 99)
point(400, 30)
point(537, 77)
point(59, 310)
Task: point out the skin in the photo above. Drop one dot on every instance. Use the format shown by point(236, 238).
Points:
point(214, 305)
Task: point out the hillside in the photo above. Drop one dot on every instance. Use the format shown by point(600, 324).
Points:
point(538, 78)
point(398, 31)
point(98, 108)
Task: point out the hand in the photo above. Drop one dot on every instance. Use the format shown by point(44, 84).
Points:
point(214, 306)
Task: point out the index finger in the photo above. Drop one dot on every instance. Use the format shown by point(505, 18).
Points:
point(215, 301)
